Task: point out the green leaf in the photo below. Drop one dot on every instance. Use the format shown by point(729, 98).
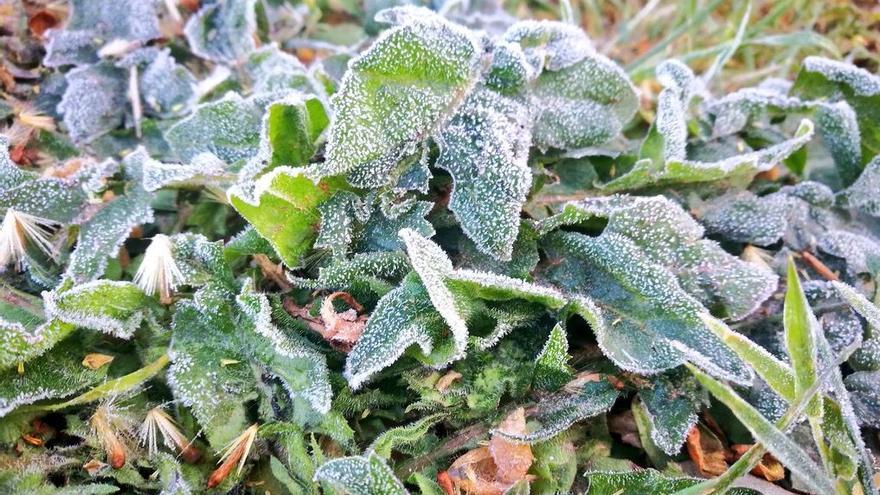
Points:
point(113, 307)
point(94, 102)
point(801, 327)
point(363, 272)
point(550, 45)
point(222, 31)
point(273, 70)
point(643, 482)
point(19, 343)
point(776, 441)
point(359, 475)
point(582, 105)
point(284, 210)
point(671, 402)
point(102, 235)
point(862, 194)
point(557, 413)
point(485, 148)
point(228, 128)
point(58, 373)
point(166, 88)
point(397, 91)
point(866, 357)
point(403, 435)
point(552, 370)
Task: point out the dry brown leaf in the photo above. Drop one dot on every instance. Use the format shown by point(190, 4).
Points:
point(493, 469)
point(94, 466)
point(272, 271)
point(42, 21)
point(769, 468)
point(95, 360)
point(446, 380)
point(341, 330)
point(445, 483)
point(706, 451)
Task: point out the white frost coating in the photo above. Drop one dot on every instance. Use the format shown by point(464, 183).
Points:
point(733, 112)
point(517, 288)
point(94, 102)
point(868, 310)
point(228, 128)
point(222, 31)
point(550, 44)
point(861, 81)
point(250, 192)
point(397, 92)
point(485, 147)
point(101, 320)
point(861, 252)
point(433, 266)
point(204, 168)
point(583, 105)
point(361, 475)
point(318, 392)
point(864, 193)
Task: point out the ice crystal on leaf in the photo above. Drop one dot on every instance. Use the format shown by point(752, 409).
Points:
point(584, 104)
point(550, 45)
point(862, 194)
point(222, 30)
point(108, 306)
point(361, 475)
point(228, 128)
point(94, 102)
point(485, 146)
point(397, 92)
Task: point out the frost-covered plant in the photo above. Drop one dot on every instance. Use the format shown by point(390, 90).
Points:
point(469, 244)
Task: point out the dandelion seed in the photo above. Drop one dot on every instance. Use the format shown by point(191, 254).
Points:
point(157, 420)
point(235, 453)
point(17, 230)
point(158, 271)
point(108, 425)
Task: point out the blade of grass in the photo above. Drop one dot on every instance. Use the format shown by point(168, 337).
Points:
point(775, 440)
point(730, 48)
point(694, 20)
point(800, 326)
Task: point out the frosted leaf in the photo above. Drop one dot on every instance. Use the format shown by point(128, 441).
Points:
point(856, 79)
point(200, 261)
point(401, 436)
point(364, 271)
point(402, 317)
point(866, 357)
point(273, 70)
point(646, 481)
point(838, 125)
point(338, 217)
point(732, 113)
point(284, 209)
point(672, 402)
point(552, 370)
point(523, 260)
point(433, 266)
point(109, 306)
point(222, 30)
point(228, 128)
point(56, 374)
point(550, 45)
point(93, 23)
point(360, 475)
point(510, 70)
point(60, 201)
point(166, 88)
point(862, 194)
point(744, 217)
point(302, 370)
point(289, 135)
point(95, 100)
point(861, 253)
point(19, 342)
point(204, 169)
point(197, 377)
point(668, 236)
point(397, 92)
point(485, 148)
point(739, 168)
point(643, 320)
point(494, 287)
point(833, 82)
point(667, 138)
point(864, 388)
point(557, 413)
point(582, 105)
point(379, 232)
point(104, 232)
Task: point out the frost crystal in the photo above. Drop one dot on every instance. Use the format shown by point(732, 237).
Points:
point(361, 476)
point(94, 102)
point(550, 44)
point(222, 30)
point(397, 92)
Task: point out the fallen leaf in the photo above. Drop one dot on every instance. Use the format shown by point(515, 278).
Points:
point(41, 22)
point(446, 380)
point(95, 360)
point(768, 468)
point(706, 451)
point(493, 469)
point(341, 330)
